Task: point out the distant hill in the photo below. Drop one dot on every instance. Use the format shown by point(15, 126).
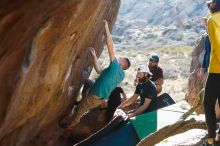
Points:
point(159, 23)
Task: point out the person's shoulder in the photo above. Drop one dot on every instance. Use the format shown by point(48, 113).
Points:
point(159, 68)
point(151, 84)
point(151, 88)
point(214, 18)
point(138, 85)
point(118, 88)
point(114, 61)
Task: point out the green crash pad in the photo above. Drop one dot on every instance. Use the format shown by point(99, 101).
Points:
point(150, 122)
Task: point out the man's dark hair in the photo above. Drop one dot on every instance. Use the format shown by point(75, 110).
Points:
point(128, 63)
point(214, 6)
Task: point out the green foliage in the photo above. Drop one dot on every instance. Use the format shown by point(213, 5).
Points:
point(150, 36)
point(116, 38)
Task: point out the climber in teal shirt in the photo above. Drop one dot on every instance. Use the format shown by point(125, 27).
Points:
point(107, 81)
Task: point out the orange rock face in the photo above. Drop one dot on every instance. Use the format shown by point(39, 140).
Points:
point(44, 59)
point(196, 83)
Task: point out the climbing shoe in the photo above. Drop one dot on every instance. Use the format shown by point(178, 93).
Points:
point(65, 122)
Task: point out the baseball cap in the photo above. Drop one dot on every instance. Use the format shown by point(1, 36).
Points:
point(144, 68)
point(209, 1)
point(154, 57)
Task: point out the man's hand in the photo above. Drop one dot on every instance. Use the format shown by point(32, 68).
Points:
point(92, 52)
point(105, 26)
point(131, 115)
point(105, 23)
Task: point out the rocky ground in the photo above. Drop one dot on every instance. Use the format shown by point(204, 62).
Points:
point(189, 138)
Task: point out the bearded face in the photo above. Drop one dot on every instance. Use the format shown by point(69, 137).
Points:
point(142, 77)
point(142, 80)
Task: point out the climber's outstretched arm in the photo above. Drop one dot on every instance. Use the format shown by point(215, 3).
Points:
point(109, 41)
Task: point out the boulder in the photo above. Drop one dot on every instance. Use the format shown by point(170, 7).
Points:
point(44, 60)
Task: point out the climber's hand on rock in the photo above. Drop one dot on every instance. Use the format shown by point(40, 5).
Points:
point(92, 52)
point(105, 23)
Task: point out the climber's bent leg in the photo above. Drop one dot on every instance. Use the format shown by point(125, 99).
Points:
point(88, 102)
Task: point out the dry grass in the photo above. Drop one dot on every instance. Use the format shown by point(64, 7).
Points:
point(186, 51)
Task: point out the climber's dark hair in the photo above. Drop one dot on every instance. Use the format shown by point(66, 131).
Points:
point(128, 63)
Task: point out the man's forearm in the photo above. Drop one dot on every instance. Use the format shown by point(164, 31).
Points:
point(96, 64)
point(109, 42)
point(140, 110)
point(129, 101)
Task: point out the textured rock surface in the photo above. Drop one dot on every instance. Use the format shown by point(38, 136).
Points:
point(43, 62)
point(195, 83)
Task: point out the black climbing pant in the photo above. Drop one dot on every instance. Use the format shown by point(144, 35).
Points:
point(212, 93)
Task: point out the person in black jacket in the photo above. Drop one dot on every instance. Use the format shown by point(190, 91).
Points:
point(146, 89)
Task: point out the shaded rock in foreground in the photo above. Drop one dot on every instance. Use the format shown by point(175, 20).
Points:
point(43, 62)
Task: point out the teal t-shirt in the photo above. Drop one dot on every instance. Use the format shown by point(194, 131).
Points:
point(108, 80)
